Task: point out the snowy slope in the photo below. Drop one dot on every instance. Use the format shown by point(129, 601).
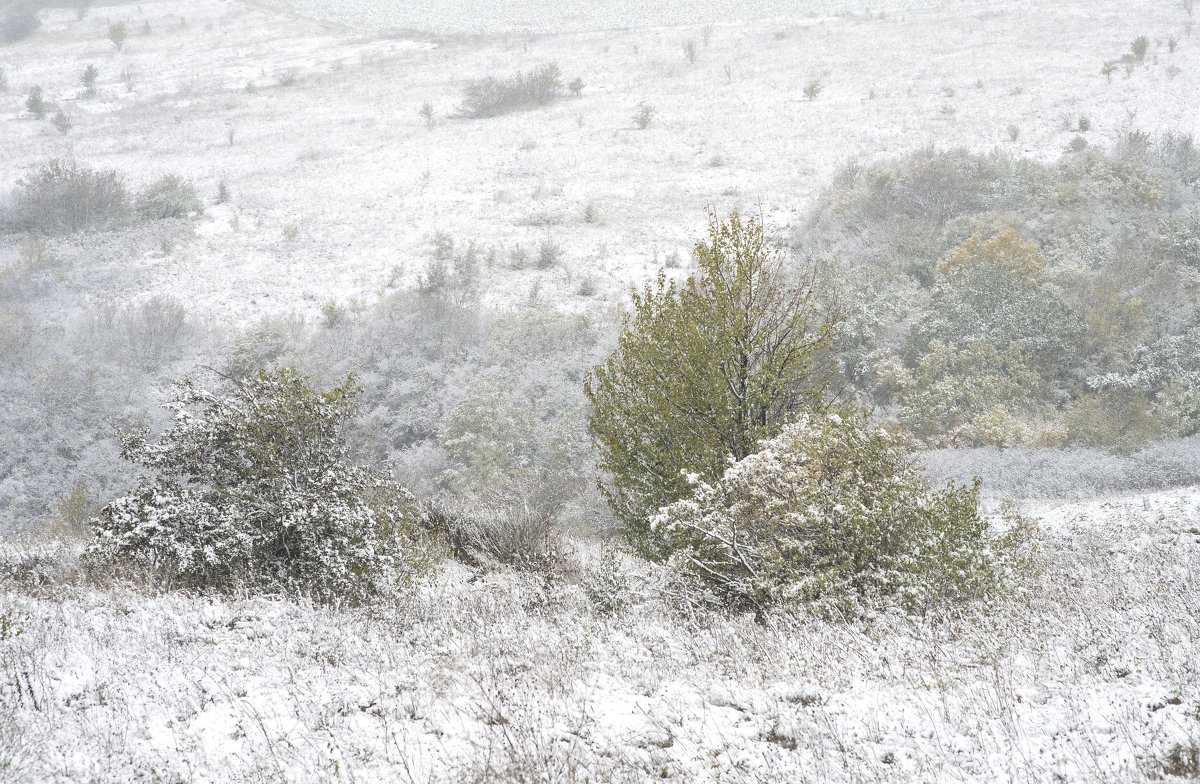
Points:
point(1092, 673)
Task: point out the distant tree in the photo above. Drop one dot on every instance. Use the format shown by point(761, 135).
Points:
point(88, 80)
point(996, 291)
point(1139, 47)
point(62, 121)
point(19, 22)
point(35, 102)
point(118, 33)
point(702, 371)
point(254, 487)
point(813, 89)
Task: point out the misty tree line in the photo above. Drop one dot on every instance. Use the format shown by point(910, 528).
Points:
point(972, 299)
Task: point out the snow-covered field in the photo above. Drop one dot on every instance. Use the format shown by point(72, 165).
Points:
point(338, 187)
point(1092, 673)
point(307, 110)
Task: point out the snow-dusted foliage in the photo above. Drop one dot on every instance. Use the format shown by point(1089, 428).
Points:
point(64, 196)
point(832, 511)
point(255, 487)
point(490, 97)
point(703, 370)
point(1043, 294)
point(170, 196)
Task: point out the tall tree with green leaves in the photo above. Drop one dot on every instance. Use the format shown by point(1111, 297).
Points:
point(702, 371)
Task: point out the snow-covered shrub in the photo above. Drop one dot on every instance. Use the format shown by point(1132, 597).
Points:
point(952, 388)
point(155, 330)
point(64, 197)
point(489, 97)
point(515, 524)
point(170, 196)
point(605, 582)
point(261, 344)
point(35, 102)
point(704, 369)
point(255, 487)
point(832, 511)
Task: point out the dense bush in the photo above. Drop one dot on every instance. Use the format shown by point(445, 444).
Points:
point(35, 102)
point(65, 197)
point(513, 522)
point(831, 511)
point(170, 196)
point(703, 370)
point(1071, 272)
point(490, 97)
point(254, 487)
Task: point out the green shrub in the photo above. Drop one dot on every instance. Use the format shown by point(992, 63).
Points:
point(703, 370)
point(118, 33)
point(831, 511)
point(64, 197)
point(254, 487)
point(35, 102)
point(1139, 47)
point(170, 196)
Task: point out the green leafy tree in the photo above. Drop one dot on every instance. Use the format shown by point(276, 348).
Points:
point(995, 291)
point(702, 371)
point(255, 487)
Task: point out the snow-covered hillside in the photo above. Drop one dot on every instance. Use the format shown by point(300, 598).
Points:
point(1091, 673)
point(338, 189)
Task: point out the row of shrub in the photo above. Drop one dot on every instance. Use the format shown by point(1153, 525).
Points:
point(64, 196)
point(727, 460)
point(491, 96)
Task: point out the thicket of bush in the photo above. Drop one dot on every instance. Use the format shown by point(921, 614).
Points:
point(832, 513)
point(490, 96)
point(995, 300)
point(64, 196)
point(255, 487)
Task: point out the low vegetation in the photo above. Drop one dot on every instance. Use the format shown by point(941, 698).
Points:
point(255, 487)
point(490, 96)
point(995, 300)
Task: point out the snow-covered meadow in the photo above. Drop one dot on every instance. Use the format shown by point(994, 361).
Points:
point(1091, 673)
point(338, 187)
point(340, 193)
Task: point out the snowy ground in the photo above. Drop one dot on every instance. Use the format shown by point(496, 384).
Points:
point(1092, 673)
point(1089, 674)
point(338, 187)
